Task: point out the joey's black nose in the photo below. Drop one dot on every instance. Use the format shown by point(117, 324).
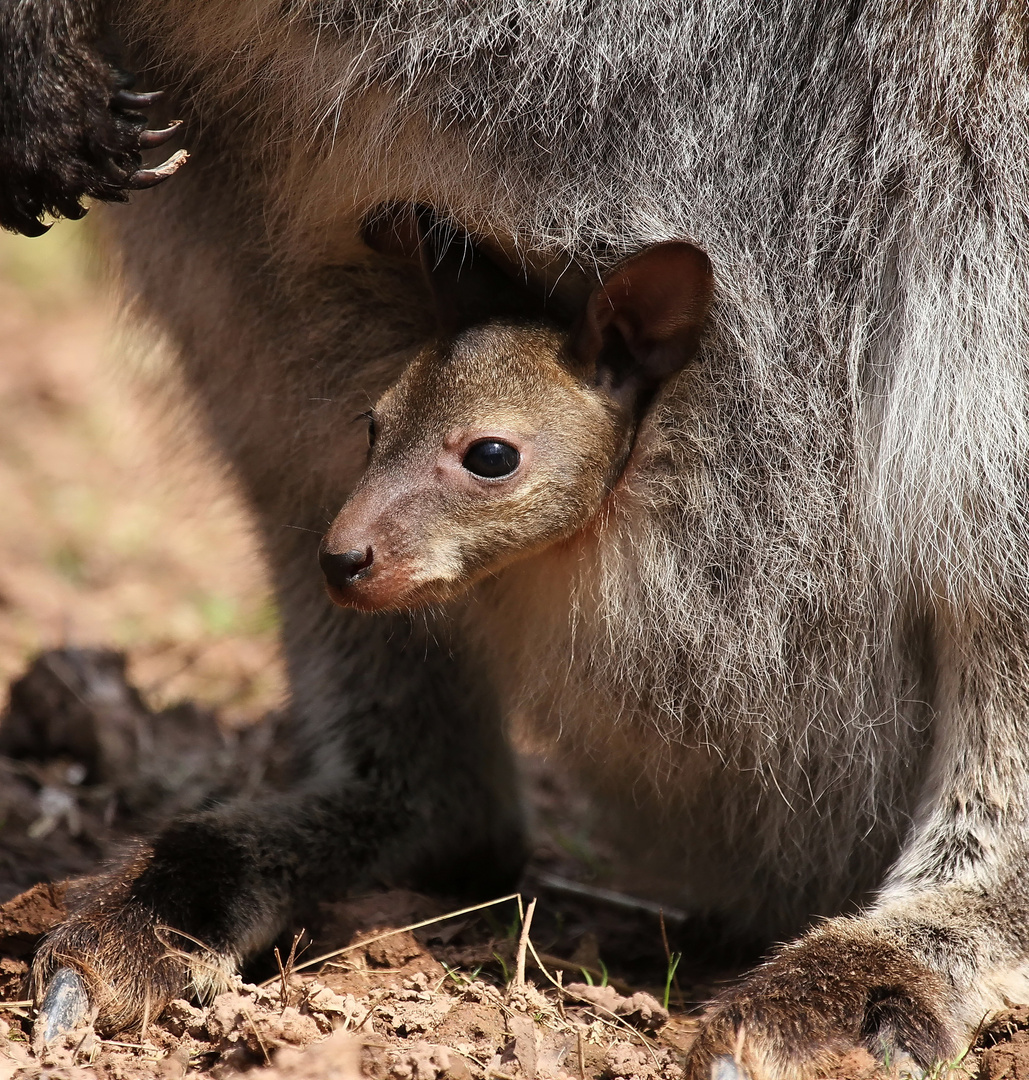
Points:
point(343, 569)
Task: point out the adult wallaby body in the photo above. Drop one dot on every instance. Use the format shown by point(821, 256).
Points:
point(796, 636)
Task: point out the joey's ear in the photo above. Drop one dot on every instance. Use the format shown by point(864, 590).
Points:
point(643, 324)
point(468, 286)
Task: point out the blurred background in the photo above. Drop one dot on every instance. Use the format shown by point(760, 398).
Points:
point(116, 528)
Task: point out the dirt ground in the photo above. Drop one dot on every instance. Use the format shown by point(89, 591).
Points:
point(139, 673)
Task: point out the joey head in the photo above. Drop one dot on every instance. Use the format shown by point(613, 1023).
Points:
point(507, 438)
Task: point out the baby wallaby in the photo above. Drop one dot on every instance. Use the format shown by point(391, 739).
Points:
point(507, 434)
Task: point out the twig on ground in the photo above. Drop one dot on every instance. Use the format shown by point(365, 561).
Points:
point(468, 1057)
point(523, 941)
point(367, 1016)
point(147, 1049)
point(285, 972)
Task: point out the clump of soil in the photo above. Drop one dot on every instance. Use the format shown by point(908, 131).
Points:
point(1003, 1046)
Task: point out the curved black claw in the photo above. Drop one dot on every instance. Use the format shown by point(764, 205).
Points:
point(724, 1067)
point(65, 1007)
point(32, 227)
point(150, 138)
point(147, 178)
point(126, 99)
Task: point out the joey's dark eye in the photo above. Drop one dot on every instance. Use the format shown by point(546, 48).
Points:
point(491, 459)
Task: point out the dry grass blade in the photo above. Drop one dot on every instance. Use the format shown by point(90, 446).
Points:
point(257, 1035)
point(396, 930)
point(193, 960)
point(367, 1016)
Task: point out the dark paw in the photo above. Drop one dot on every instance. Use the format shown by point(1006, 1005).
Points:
point(76, 135)
point(109, 969)
point(842, 990)
point(114, 964)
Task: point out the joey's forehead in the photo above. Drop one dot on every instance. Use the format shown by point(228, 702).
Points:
point(506, 367)
point(415, 415)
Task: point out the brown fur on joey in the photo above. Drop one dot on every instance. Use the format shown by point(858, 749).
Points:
point(507, 438)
